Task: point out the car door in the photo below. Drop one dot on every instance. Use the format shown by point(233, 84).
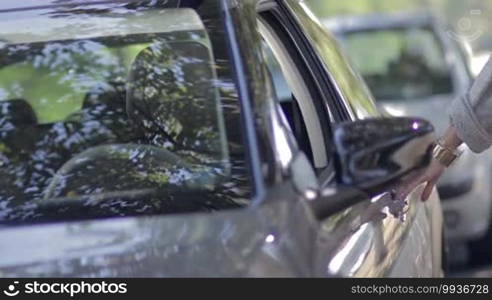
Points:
point(316, 90)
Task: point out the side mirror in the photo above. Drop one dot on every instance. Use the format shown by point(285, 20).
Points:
point(375, 152)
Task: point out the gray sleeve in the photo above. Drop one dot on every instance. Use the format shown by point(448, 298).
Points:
point(471, 114)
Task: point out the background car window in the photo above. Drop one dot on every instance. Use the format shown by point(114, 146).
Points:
point(410, 62)
point(115, 118)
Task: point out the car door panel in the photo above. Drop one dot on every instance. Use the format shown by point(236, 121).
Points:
point(260, 242)
point(366, 240)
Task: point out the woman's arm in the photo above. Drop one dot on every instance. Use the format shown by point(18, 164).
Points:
point(450, 139)
point(471, 114)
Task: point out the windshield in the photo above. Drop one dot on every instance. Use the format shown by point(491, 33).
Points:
point(409, 63)
point(116, 110)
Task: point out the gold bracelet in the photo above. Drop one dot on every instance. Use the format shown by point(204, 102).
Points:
point(445, 155)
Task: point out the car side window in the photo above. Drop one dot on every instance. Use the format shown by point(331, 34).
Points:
point(121, 121)
point(294, 97)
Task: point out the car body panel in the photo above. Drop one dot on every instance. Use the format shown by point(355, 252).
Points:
point(236, 243)
point(372, 245)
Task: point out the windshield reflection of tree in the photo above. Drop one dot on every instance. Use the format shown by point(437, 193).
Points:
point(164, 140)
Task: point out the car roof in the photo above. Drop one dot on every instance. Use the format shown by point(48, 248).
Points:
point(12, 5)
point(47, 20)
point(28, 4)
point(345, 24)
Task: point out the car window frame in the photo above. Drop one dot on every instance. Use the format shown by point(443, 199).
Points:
point(354, 103)
point(322, 96)
point(293, 76)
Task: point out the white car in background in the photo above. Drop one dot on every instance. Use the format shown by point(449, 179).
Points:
point(415, 69)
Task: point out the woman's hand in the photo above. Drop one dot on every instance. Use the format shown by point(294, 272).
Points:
point(430, 176)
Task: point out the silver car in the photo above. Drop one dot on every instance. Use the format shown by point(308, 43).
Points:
point(414, 68)
point(147, 139)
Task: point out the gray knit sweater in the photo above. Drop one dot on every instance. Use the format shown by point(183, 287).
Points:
point(471, 114)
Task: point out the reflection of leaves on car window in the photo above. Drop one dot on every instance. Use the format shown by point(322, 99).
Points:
point(101, 123)
point(54, 77)
point(170, 87)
